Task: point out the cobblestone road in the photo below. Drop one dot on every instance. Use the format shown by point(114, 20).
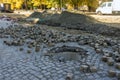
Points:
point(15, 65)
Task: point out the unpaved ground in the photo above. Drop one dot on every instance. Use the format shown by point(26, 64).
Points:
point(13, 15)
point(107, 18)
point(110, 20)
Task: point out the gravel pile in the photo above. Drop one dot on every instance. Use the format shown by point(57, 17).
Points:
point(36, 15)
point(79, 22)
point(66, 19)
point(36, 35)
point(73, 19)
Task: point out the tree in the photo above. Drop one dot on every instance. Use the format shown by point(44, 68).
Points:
point(26, 4)
point(29, 4)
point(75, 3)
point(92, 4)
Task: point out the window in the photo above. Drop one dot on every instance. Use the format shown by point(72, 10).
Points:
point(103, 5)
point(109, 4)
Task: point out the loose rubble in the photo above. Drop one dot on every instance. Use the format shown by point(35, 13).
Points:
point(57, 55)
point(75, 21)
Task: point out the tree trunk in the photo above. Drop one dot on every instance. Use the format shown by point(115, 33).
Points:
point(26, 6)
point(91, 9)
point(76, 6)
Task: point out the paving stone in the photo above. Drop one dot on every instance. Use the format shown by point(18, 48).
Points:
point(112, 73)
point(106, 78)
point(25, 77)
point(60, 72)
point(40, 76)
point(104, 58)
point(110, 61)
point(36, 78)
point(60, 76)
point(93, 69)
point(44, 79)
point(117, 65)
point(118, 75)
point(1, 77)
point(55, 78)
point(61, 79)
point(47, 73)
point(96, 76)
point(16, 78)
point(77, 77)
point(91, 77)
point(69, 76)
point(84, 68)
point(8, 78)
point(31, 67)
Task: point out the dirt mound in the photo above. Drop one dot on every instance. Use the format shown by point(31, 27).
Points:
point(79, 22)
point(102, 29)
point(72, 18)
point(36, 15)
point(66, 19)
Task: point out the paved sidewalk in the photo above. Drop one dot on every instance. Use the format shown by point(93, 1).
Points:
point(15, 65)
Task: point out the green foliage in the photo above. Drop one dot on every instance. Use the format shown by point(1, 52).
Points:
point(53, 3)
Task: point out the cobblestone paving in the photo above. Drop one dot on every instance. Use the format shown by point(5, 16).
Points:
point(15, 65)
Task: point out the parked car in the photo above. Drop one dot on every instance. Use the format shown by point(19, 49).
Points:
point(112, 7)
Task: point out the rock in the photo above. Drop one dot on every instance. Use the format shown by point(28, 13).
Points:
point(110, 61)
point(81, 42)
point(92, 44)
point(119, 50)
point(5, 41)
point(98, 50)
point(117, 65)
point(33, 43)
point(20, 42)
point(69, 76)
point(9, 43)
point(105, 44)
point(112, 73)
point(107, 54)
point(28, 51)
point(96, 46)
point(104, 58)
point(50, 44)
point(93, 69)
point(117, 59)
point(29, 46)
point(116, 54)
point(118, 75)
point(37, 48)
point(21, 49)
point(15, 43)
point(84, 68)
point(32, 20)
point(61, 59)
